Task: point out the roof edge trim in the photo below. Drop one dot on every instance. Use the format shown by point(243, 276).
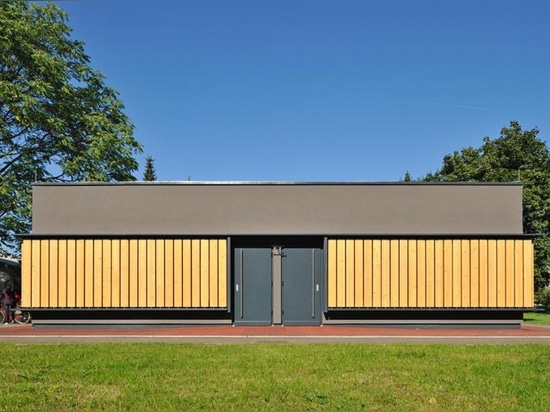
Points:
point(273, 183)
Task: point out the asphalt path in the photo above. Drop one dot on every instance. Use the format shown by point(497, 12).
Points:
point(26, 334)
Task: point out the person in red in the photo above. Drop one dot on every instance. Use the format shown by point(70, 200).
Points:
point(8, 300)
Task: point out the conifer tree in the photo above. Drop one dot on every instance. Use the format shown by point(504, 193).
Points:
point(150, 174)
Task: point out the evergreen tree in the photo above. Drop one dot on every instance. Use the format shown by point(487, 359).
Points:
point(150, 174)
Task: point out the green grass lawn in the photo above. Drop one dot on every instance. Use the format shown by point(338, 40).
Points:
point(536, 318)
point(278, 377)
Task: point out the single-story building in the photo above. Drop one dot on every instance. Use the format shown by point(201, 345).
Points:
point(277, 253)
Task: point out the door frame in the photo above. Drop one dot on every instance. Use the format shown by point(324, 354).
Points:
point(277, 244)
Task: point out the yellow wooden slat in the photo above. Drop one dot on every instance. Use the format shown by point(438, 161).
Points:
point(421, 273)
point(457, 273)
point(518, 274)
point(88, 273)
point(376, 273)
point(71, 273)
point(26, 272)
point(62, 273)
point(492, 273)
point(501, 273)
point(195, 273)
point(222, 272)
point(359, 274)
point(169, 273)
point(107, 286)
point(474, 273)
point(81, 267)
point(116, 256)
point(350, 273)
point(403, 273)
point(138, 273)
point(187, 269)
point(136, 289)
point(412, 273)
point(340, 273)
point(430, 273)
point(367, 273)
point(151, 273)
point(84, 272)
point(160, 280)
point(331, 273)
point(528, 279)
point(385, 273)
point(394, 273)
point(36, 267)
point(483, 273)
point(53, 274)
point(448, 273)
point(204, 277)
point(178, 273)
point(98, 272)
point(439, 263)
point(213, 273)
point(44, 273)
point(466, 271)
point(132, 277)
point(510, 267)
point(125, 273)
point(143, 282)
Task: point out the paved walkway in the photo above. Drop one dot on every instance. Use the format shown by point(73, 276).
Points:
point(280, 334)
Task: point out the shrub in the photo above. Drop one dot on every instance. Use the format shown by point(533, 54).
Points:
point(543, 298)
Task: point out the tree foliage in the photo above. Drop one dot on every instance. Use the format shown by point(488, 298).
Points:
point(59, 122)
point(150, 173)
point(517, 155)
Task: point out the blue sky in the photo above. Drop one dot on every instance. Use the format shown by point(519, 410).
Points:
point(318, 90)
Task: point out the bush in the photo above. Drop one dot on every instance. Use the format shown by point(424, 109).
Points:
point(543, 299)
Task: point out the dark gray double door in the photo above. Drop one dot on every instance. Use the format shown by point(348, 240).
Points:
point(278, 286)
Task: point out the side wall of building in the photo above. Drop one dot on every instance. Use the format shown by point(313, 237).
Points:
point(125, 273)
point(430, 273)
point(195, 273)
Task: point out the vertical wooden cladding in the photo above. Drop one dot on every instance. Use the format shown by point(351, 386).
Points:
point(430, 273)
point(124, 273)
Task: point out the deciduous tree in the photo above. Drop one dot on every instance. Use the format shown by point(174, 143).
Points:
point(59, 122)
point(517, 155)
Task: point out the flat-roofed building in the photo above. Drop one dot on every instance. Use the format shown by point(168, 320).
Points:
point(261, 253)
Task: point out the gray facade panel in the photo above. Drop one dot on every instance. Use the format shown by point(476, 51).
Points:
point(192, 208)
